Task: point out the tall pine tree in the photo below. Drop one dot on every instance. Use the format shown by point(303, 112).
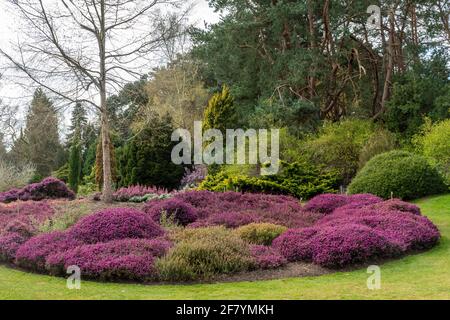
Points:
point(41, 136)
point(79, 122)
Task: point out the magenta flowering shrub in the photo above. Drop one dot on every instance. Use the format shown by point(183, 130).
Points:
point(232, 219)
point(49, 188)
point(126, 193)
point(173, 210)
point(295, 244)
point(276, 209)
point(340, 246)
point(362, 230)
point(9, 243)
point(404, 230)
point(326, 203)
point(397, 205)
point(33, 253)
point(266, 257)
point(125, 259)
point(114, 224)
point(25, 216)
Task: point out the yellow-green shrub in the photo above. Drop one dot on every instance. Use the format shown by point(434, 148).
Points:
point(202, 253)
point(260, 233)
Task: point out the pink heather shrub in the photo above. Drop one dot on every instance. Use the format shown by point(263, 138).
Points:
point(125, 259)
point(397, 205)
point(266, 257)
point(114, 224)
point(404, 230)
point(126, 193)
point(337, 247)
point(9, 243)
point(281, 210)
point(232, 219)
point(25, 216)
point(49, 188)
point(174, 210)
point(326, 203)
point(33, 253)
point(295, 244)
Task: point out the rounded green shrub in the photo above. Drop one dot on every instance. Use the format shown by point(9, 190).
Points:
point(260, 233)
point(203, 253)
point(399, 174)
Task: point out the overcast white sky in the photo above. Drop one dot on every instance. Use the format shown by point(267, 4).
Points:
point(18, 96)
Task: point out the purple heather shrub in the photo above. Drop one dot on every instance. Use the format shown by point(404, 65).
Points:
point(9, 196)
point(295, 244)
point(326, 203)
point(126, 193)
point(174, 210)
point(125, 259)
point(23, 226)
point(9, 243)
point(114, 224)
point(232, 219)
point(403, 230)
point(282, 210)
point(25, 216)
point(266, 257)
point(363, 199)
point(49, 188)
point(397, 205)
point(340, 246)
point(33, 253)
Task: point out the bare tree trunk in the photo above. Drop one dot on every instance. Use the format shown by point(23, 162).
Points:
point(106, 140)
point(390, 64)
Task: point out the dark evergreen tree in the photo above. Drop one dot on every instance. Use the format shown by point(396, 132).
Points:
point(40, 141)
point(146, 159)
point(76, 138)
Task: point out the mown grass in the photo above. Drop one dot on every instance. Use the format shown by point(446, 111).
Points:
point(422, 276)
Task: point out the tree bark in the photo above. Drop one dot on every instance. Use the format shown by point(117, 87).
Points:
point(106, 140)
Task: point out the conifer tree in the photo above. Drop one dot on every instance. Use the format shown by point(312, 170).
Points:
point(221, 112)
point(40, 141)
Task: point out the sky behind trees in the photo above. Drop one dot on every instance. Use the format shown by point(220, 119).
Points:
point(12, 93)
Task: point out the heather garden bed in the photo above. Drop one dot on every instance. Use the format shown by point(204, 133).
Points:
point(200, 236)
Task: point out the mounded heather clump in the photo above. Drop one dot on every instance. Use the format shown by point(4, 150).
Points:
point(49, 188)
point(295, 244)
point(281, 210)
point(337, 247)
point(24, 217)
point(173, 210)
point(403, 230)
point(125, 259)
point(326, 203)
point(202, 253)
point(9, 243)
point(397, 205)
point(260, 233)
point(114, 224)
point(266, 257)
point(363, 230)
point(126, 193)
point(33, 253)
point(232, 219)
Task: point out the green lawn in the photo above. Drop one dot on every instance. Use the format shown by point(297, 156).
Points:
point(423, 276)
